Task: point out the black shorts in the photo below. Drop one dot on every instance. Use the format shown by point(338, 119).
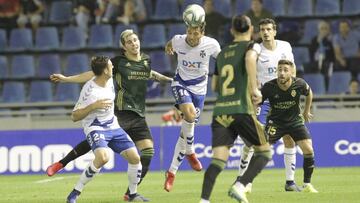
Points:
point(134, 125)
point(226, 128)
point(297, 133)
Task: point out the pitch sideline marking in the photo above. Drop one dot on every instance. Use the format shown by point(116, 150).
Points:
point(52, 179)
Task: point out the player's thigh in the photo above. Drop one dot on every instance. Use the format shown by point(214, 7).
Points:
point(221, 152)
point(221, 135)
point(249, 128)
point(120, 141)
point(288, 141)
point(136, 127)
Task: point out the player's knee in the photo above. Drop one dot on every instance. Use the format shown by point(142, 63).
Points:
point(190, 117)
point(103, 158)
point(148, 152)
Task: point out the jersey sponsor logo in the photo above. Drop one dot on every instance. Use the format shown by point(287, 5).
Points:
point(31, 158)
point(202, 53)
point(344, 147)
point(191, 64)
point(271, 70)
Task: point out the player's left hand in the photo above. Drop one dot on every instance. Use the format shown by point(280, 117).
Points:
point(256, 97)
point(307, 116)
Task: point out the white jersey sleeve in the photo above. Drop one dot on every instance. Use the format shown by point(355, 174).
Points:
point(193, 63)
point(268, 60)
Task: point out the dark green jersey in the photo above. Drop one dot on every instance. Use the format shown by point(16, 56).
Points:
point(131, 83)
point(233, 93)
point(285, 105)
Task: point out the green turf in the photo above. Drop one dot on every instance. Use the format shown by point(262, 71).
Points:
point(334, 185)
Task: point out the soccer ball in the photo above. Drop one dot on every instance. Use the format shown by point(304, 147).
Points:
point(194, 15)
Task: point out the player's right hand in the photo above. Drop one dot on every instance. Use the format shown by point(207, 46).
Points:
point(256, 97)
point(169, 49)
point(57, 78)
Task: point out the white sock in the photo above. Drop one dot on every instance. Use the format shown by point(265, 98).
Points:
point(204, 201)
point(246, 154)
point(187, 130)
point(290, 163)
point(87, 175)
point(134, 174)
point(179, 154)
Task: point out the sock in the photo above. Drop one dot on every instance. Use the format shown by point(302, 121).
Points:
point(204, 201)
point(145, 159)
point(210, 176)
point(134, 175)
point(308, 167)
point(257, 163)
point(79, 150)
point(87, 175)
point(290, 163)
point(187, 130)
point(179, 154)
point(246, 154)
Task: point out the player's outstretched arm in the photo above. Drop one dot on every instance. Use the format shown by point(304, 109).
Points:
point(169, 48)
point(159, 77)
point(80, 114)
point(250, 60)
point(80, 78)
point(308, 101)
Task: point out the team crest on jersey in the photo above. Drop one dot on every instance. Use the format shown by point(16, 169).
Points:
point(127, 64)
point(146, 64)
point(202, 53)
point(283, 56)
point(293, 93)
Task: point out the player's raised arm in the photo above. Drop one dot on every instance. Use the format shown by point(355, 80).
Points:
point(80, 78)
point(308, 101)
point(159, 77)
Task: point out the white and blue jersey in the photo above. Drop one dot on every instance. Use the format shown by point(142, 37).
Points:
point(101, 126)
point(191, 77)
point(266, 69)
point(193, 63)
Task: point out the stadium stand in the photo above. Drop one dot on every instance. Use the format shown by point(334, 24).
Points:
point(40, 91)
point(73, 39)
point(160, 62)
point(13, 92)
point(67, 92)
point(277, 7)
point(339, 82)
point(47, 38)
point(4, 70)
point(76, 63)
point(317, 83)
point(151, 40)
point(61, 12)
point(101, 36)
point(300, 8)
point(22, 67)
point(48, 64)
point(21, 39)
point(166, 10)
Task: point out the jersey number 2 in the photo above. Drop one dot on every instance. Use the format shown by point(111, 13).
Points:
point(228, 72)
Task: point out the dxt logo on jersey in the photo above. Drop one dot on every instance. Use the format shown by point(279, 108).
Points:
point(271, 70)
point(190, 64)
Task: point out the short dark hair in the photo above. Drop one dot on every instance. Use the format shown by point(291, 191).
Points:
point(241, 23)
point(286, 62)
point(98, 64)
point(260, 1)
point(265, 21)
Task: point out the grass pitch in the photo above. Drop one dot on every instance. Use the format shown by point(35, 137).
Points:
point(334, 184)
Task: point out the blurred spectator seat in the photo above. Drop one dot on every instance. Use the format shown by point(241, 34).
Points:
point(301, 56)
point(209, 92)
point(120, 28)
point(160, 62)
point(76, 63)
point(47, 38)
point(60, 12)
point(310, 31)
point(277, 7)
point(350, 7)
point(40, 91)
point(223, 7)
point(242, 6)
point(327, 8)
point(22, 66)
point(20, 39)
point(149, 6)
point(153, 89)
point(4, 70)
point(339, 82)
point(166, 10)
point(101, 36)
point(73, 38)
point(48, 64)
point(67, 92)
point(176, 29)
point(13, 92)
point(317, 82)
point(3, 40)
point(300, 8)
point(152, 40)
